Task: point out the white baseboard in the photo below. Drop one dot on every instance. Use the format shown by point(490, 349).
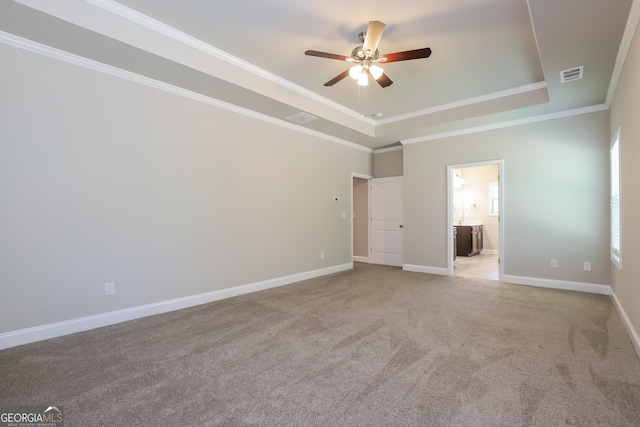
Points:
point(559, 284)
point(490, 251)
point(530, 281)
point(635, 338)
point(425, 269)
point(361, 259)
point(58, 329)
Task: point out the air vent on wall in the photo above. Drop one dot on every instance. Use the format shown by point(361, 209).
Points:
point(571, 74)
point(301, 118)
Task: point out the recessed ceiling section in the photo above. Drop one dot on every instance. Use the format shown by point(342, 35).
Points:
point(491, 60)
point(472, 43)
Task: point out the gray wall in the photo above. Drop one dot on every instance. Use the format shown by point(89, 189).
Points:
point(104, 180)
point(388, 163)
point(555, 196)
point(624, 114)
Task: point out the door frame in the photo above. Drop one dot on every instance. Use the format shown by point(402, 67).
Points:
point(501, 215)
point(368, 178)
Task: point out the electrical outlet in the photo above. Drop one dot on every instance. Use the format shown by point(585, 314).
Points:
point(322, 255)
point(109, 288)
point(554, 263)
point(587, 266)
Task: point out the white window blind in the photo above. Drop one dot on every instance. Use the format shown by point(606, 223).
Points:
point(616, 247)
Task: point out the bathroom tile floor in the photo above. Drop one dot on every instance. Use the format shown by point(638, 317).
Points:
point(483, 265)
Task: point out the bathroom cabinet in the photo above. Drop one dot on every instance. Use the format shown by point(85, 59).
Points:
point(468, 240)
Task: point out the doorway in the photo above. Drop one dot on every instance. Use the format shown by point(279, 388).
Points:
point(476, 219)
point(360, 214)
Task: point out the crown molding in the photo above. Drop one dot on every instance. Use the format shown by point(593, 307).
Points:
point(511, 123)
point(188, 40)
point(623, 51)
point(466, 102)
point(181, 37)
point(388, 149)
point(48, 51)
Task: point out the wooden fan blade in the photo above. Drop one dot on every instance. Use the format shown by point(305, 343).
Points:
point(425, 52)
point(337, 78)
point(326, 55)
point(374, 34)
point(384, 80)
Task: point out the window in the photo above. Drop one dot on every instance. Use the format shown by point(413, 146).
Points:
point(494, 199)
point(616, 247)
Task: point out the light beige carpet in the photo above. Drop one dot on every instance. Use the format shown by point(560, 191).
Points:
point(375, 346)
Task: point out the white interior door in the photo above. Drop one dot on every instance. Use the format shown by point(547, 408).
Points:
point(386, 198)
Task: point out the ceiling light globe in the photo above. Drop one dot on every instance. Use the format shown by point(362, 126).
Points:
point(355, 72)
point(363, 80)
point(376, 71)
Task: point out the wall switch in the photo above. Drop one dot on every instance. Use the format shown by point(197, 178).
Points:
point(109, 288)
point(344, 214)
point(554, 263)
point(322, 255)
point(587, 266)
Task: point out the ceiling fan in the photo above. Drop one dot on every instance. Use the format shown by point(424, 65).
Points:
point(366, 58)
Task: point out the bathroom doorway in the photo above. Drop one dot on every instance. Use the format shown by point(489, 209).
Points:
point(475, 219)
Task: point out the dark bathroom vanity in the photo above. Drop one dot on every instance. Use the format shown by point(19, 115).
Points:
point(468, 239)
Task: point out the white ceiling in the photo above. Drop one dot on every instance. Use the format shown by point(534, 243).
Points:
point(493, 60)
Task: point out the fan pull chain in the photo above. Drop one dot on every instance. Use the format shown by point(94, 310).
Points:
point(361, 103)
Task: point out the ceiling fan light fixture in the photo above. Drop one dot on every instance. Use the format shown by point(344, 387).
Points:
point(376, 71)
point(366, 55)
point(355, 72)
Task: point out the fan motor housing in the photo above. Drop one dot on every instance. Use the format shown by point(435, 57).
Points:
point(357, 55)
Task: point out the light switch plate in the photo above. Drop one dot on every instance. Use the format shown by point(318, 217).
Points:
point(109, 288)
